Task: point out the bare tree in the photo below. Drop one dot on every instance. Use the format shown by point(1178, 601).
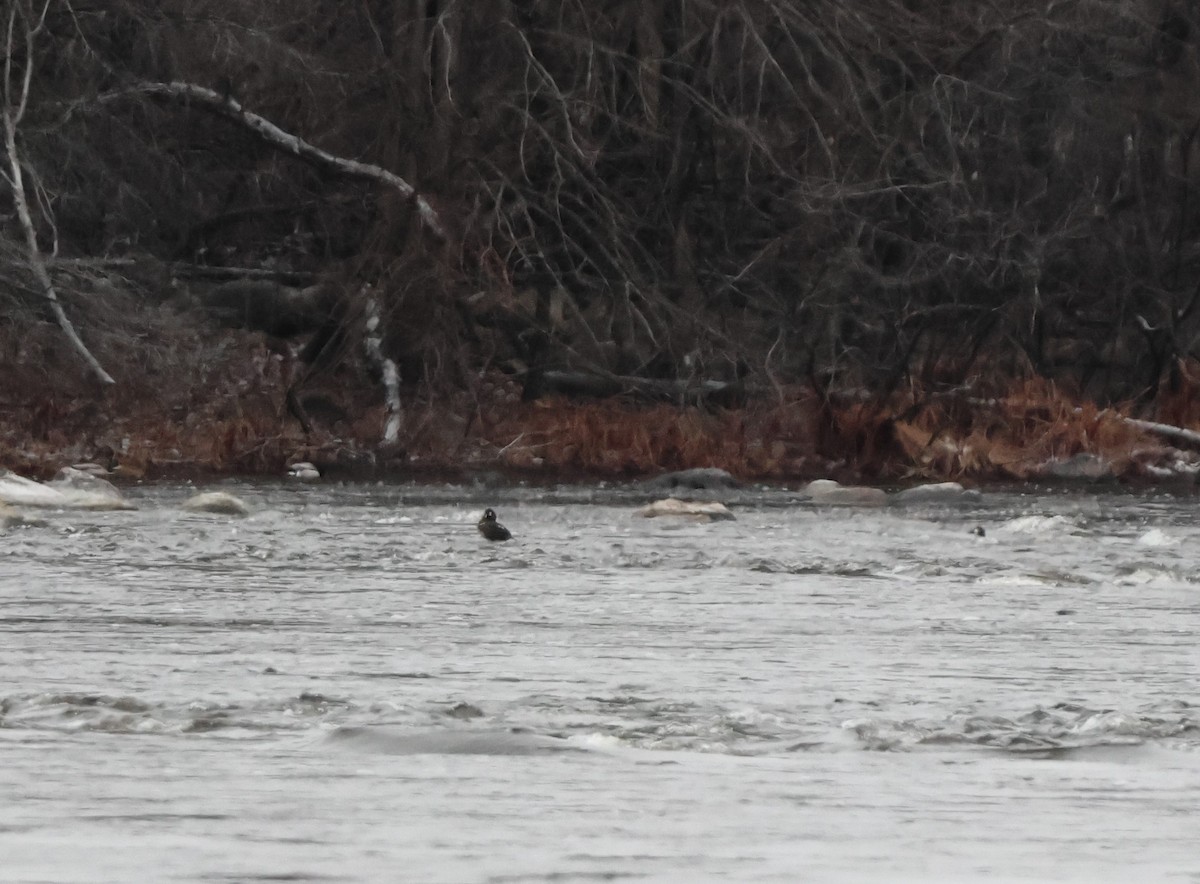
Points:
point(25, 21)
point(859, 196)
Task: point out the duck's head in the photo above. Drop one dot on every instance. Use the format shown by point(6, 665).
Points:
point(489, 515)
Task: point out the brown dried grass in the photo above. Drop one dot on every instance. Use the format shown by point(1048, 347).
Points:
point(623, 439)
point(1012, 434)
point(1008, 435)
point(217, 406)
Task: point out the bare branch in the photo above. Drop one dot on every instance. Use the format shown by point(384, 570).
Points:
point(228, 107)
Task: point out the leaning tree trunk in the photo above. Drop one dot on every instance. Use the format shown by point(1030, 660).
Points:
point(228, 107)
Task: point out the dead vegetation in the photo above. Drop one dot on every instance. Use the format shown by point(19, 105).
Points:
point(1012, 434)
point(225, 412)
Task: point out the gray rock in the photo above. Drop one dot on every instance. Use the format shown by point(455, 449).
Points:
point(71, 489)
point(304, 471)
point(693, 510)
point(387, 740)
point(219, 502)
point(938, 492)
point(85, 484)
point(699, 479)
point(464, 711)
point(829, 493)
point(1081, 466)
point(92, 469)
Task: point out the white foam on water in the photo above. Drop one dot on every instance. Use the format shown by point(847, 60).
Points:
point(1039, 525)
point(1156, 537)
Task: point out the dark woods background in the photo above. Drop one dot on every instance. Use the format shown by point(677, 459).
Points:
point(857, 196)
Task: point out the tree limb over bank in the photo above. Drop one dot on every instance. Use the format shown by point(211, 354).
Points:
point(228, 107)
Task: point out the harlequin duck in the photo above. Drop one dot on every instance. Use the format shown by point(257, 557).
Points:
point(491, 529)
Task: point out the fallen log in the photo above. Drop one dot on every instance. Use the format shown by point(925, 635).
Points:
point(574, 384)
point(204, 271)
point(1167, 431)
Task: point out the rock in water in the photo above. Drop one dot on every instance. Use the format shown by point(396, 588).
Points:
point(97, 493)
point(1083, 466)
point(464, 711)
point(830, 493)
point(938, 492)
point(701, 478)
point(304, 472)
point(219, 502)
point(71, 489)
point(695, 510)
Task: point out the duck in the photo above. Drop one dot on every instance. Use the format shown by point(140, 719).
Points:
point(491, 529)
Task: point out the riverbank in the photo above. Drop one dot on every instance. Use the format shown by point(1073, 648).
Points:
point(805, 224)
point(218, 405)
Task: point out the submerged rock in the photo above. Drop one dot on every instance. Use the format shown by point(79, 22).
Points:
point(219, 502)
point(938, 492)
point(831, 493)
point(70, 489)
point(695, 510)
point(445, 741)
point(464, 711)
point(699, 479)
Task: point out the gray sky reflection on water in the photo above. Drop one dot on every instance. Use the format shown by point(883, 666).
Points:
point(351, 684)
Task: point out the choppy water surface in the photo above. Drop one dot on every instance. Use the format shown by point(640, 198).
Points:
point(351, 685)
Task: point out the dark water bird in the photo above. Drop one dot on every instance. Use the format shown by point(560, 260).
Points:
point(491, 529)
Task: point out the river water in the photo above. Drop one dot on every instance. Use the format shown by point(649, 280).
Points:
point(352, 685)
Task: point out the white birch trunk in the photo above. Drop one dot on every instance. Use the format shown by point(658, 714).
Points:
point(386, 368)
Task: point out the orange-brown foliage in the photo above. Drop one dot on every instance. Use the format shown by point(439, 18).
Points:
point(1010, 435)
point(618, 438)
point(227, 415)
